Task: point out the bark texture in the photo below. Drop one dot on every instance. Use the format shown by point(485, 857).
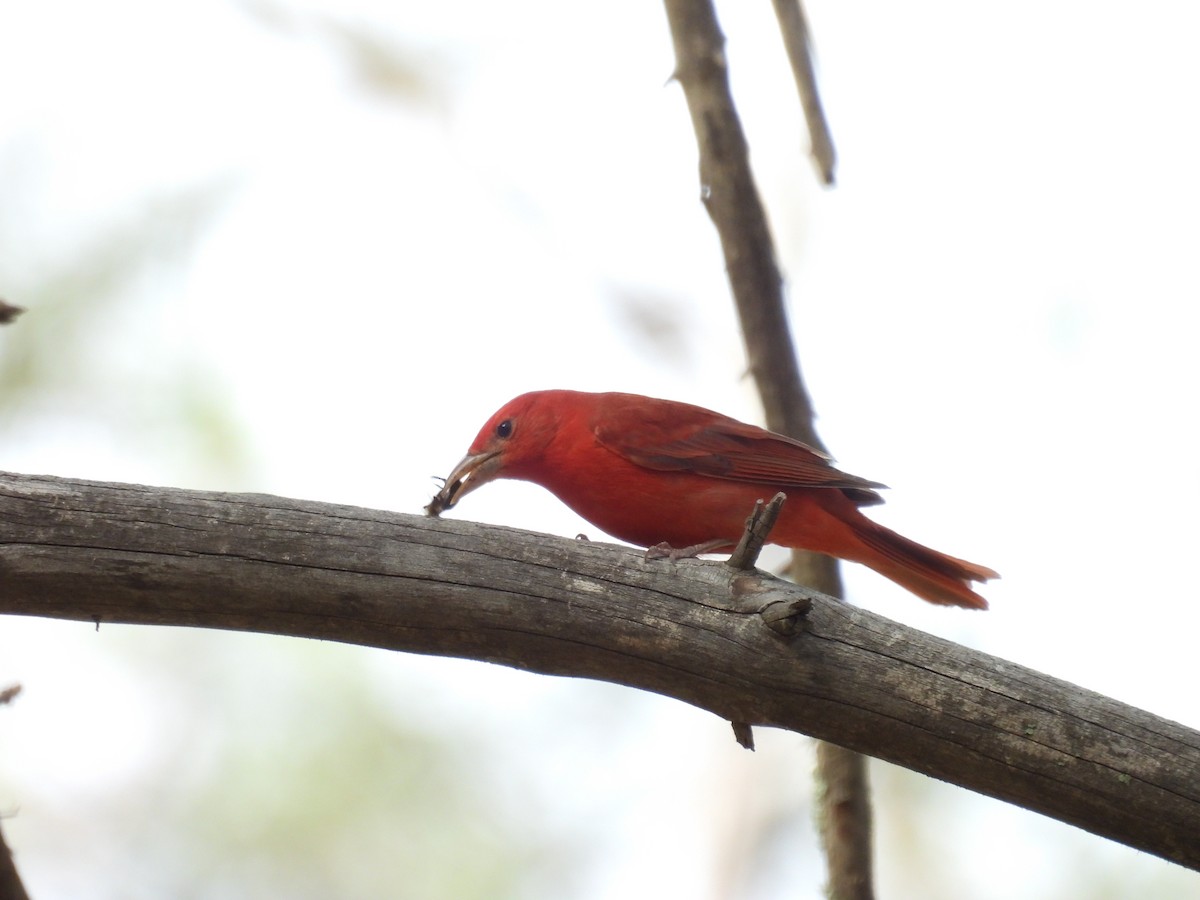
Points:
point(746, 646)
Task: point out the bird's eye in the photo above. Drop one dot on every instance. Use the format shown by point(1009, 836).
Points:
point(504, 429)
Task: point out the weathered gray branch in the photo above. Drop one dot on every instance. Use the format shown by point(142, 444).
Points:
point(691, 630)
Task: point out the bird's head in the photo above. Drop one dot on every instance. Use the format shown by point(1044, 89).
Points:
point(510, 445)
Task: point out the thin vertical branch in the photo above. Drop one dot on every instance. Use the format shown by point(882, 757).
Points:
point(798, 43)
point(733, 202)
point(11, 887)
point(844, 808)
point(728, 191)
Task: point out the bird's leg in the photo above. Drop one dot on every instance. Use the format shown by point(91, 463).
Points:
point(666, 551)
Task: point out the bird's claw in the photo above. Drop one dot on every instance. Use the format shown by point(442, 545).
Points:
point(666, 551)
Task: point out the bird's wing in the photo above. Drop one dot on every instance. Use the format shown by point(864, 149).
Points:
point(667, 436)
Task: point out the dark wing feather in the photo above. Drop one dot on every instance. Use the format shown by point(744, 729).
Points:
point(677, 437)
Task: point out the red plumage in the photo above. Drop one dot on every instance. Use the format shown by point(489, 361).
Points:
point(651, 471)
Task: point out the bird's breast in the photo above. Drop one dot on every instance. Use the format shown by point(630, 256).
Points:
point(647, 507)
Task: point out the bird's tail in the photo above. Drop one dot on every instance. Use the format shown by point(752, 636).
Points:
point(931, 575)
point(833, 524)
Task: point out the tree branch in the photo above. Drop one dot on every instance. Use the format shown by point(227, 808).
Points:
point(731, 197)
point(758, 530)
point(733, 203)
point(11, 886)
point(8, 312)
point(692, 630)
point(794, 28)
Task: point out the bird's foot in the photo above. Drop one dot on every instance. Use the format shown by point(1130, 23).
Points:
point(666, 551)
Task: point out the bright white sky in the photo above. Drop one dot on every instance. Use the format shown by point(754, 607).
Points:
point(995, 309)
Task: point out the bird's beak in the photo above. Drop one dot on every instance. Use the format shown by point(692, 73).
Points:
point(474, 470)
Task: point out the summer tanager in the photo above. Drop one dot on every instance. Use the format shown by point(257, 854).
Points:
point(656, 472)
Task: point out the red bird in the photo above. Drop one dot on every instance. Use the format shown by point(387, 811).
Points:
point(655, 471)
